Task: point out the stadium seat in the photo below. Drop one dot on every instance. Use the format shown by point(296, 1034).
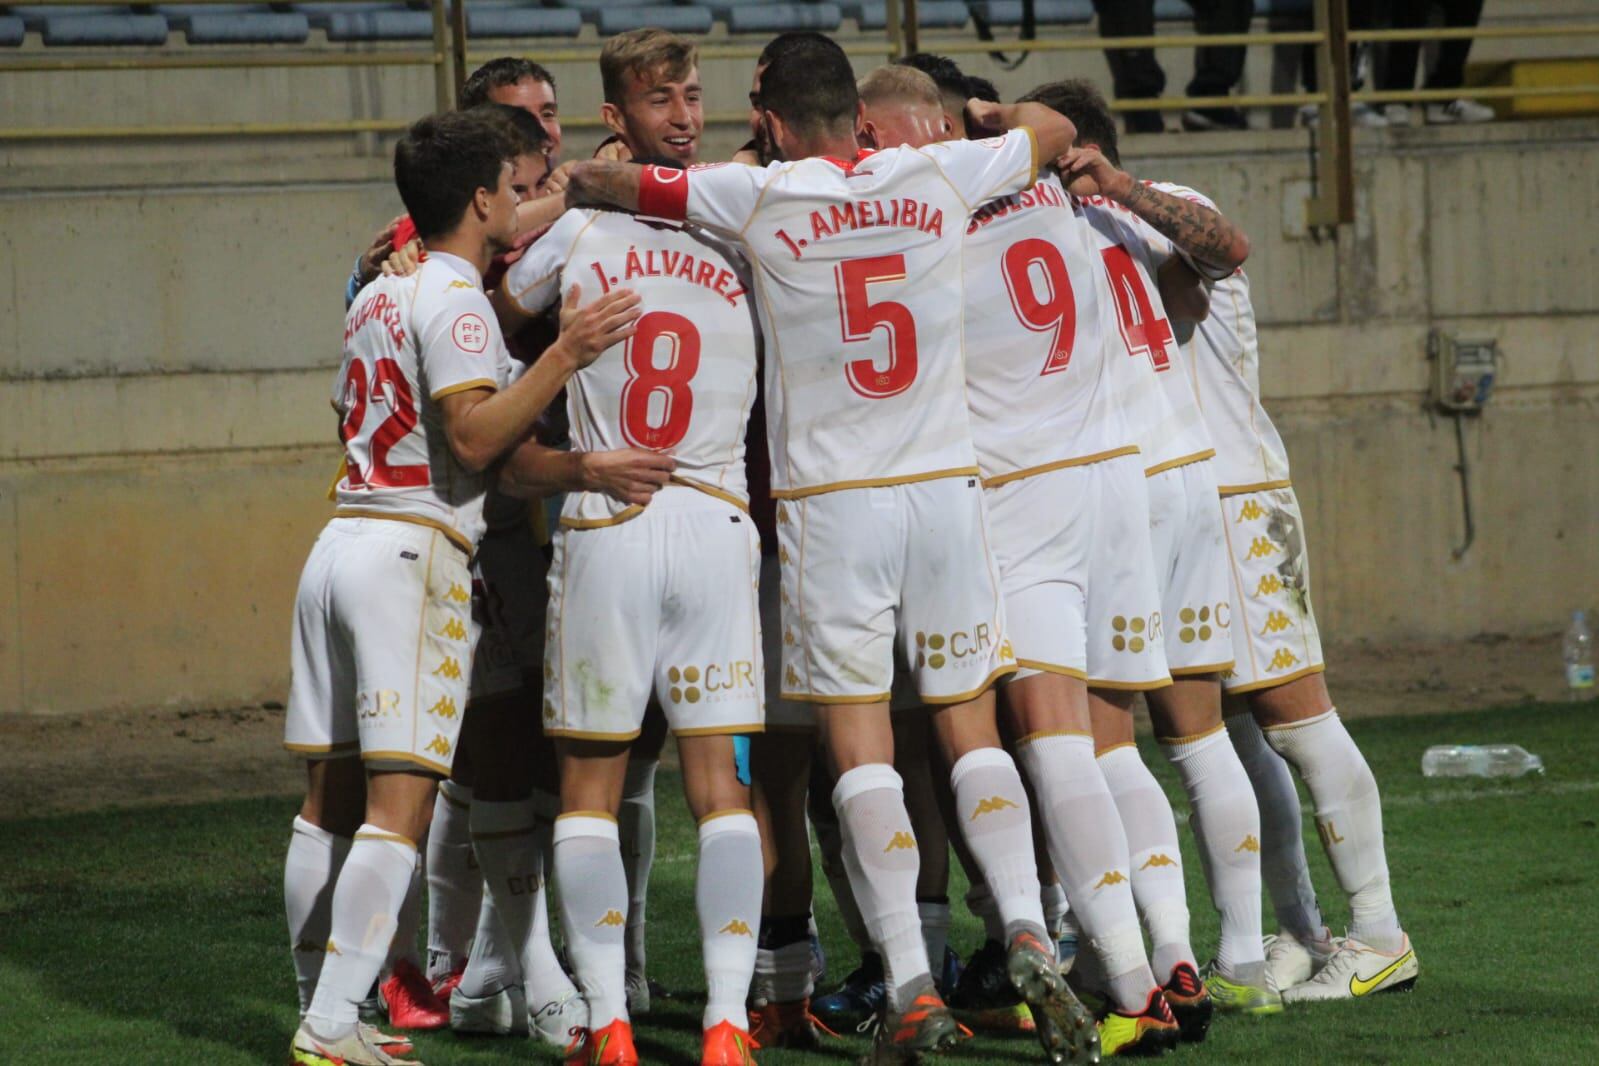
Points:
point(369, 22)
point(933, 14)
point(11, 30)
point(780, 18)
point(235, 23)
point(1277, 8)
point(615, 20)
point(1045, 12)
point(97, 30)
point(33, 16)
point(517, 19)
point(1173, 11)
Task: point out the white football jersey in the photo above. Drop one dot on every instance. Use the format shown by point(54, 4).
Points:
point(1226, 360)
point(408, 343)
point(684, 382)
point(1158, 384)
point(857, 268)
point(1039, 327)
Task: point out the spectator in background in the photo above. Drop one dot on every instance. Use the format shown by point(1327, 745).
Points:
point(1137, 75)
point(1362, 16)
point(1399, 69)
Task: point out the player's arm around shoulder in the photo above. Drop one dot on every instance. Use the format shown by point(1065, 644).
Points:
point(1183, 291)
point(532, 285)
point(481, 423)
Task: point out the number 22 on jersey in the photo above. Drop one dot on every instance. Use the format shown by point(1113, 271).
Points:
point(367, 447)
point(1145, 332)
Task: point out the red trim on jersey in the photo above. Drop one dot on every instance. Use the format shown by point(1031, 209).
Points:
point(663, 193)
point(404, 233)
point(848, 166)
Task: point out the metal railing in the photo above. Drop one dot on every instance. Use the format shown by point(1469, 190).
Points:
point(451, 56)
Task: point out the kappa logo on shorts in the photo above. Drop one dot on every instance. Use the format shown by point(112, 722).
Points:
point(453, 629)
point(448, 668)
point(1261, 547)
point(549, 711)
point(1270, 585)
point(791, 678)
point(1196, 624)
point(991, 805)
point(612, 917)
point(1282, 660)
point(901, 841)
point(458, 594)
point(1250, 511)
point(1276, 622)
point(1157, 860)
point(445, 708)
point(690, 683)
point(1249, 843)
point(736, 927)
point(438, 745)
point(1134, 634)
point(782, 516)
point(1006, 652)
point(1112, 877)
point(782, 555)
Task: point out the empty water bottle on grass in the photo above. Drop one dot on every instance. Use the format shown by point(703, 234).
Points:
point(1578, 653)
point(1479, 760)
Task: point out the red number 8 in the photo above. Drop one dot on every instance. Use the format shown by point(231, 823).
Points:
point(646, 381)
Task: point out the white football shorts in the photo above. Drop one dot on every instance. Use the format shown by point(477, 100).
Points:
point(859, 564)
point(382, 646)
point(664, 601)
point(1073, 552)
point(510, 593)
point(1190, 568)
point(1272, 625)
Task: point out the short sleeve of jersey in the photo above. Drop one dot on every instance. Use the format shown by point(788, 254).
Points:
point(456, 344)
point(533, 282)
point(722, 197)
point(983, 170)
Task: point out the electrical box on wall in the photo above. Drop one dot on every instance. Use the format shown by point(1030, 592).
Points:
point(1463, 371)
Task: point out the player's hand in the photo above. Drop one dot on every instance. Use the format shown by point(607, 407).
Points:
point(1086, 172)
point(382, 245)
point(631, 475)
point(588, 331)
point(986, 116)
point(403, 262)
point(614, 151)
point(556, 182)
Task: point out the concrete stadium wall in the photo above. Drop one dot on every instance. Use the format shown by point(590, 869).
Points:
point(168, 330)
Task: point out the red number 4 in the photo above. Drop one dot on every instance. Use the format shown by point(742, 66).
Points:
point(861, 318)
point(1145, 332)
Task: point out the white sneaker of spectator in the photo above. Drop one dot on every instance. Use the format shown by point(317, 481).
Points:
point(1458, 111)
point(1363, 116)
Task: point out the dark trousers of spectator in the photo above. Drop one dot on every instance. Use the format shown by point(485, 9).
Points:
point(1399, 70)
point(1217, 70)
point(1362, 16)
point(1135, 73)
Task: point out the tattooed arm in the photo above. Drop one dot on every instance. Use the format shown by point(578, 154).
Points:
point(1205, 235)
point(598, 183)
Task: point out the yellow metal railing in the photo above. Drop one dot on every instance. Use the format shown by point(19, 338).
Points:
point(451, 56)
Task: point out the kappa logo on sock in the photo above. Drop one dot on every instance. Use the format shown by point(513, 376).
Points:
point(1282, 660)
point(1276, 622)
point(736, 927)
point(991, 805)
point(1249, 843)
point(613, 918)
point(1112, 877)
point(1155, 860)
point(1250, 511)
point(901, 841)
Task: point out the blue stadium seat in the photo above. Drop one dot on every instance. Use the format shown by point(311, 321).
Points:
point(517, 19)
point(1276, 8)
point(1046, 12)
point(96, 30)
point(588, 6)
point(11, 30)
point(369, 21)
point(1173, 11)
point(613, 20)
point(33, 16)
point(780, 18)
point(235, 23)
point(933, 14)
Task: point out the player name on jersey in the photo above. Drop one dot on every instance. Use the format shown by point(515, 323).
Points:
point(865, 214)
point(1044, 194)
point(667, 263)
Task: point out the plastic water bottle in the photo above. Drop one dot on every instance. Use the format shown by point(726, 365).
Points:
point(1485, 760)
point(1578, 653)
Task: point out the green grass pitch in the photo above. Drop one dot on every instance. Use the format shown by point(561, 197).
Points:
point(156, 936)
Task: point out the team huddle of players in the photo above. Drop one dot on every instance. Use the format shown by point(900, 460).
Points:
point(1007, 468)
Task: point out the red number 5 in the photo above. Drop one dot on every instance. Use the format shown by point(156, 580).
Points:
point(1055, 312)
point(861, 318)
point(667, 386)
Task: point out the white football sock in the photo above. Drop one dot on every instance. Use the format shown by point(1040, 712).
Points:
point(504, 835)
point(309, 874)
point(830, 843)
point(727, 895)
point(980, 901)
point(455, 887)
point(784, 971)
point(997, 823)
point(636, 821)
point(1226, 824)
point(493, 966)
point(1349, 818)
point(935, 918)
point(1282, 842)
point(367, 900)
point(881, 857)
point(1088, 847)
point(593, 885)
point(1157, 863)
point(546, 979)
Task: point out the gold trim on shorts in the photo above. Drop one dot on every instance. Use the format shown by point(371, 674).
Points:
point(1051, 668)
point(1130, 686)
point(343, 747)
point(1062, 464)
point(710, 490)
point(1259, 486)
point(1181, 460)
point(988, 683)
point(1192, 671)
point(407, 757)
point(1256, 686)
point(584, 734)
point(1212, 731)
point(451, 535)
point(873, 483)
point(719, 730)
point(797, 697)
point(601, 523)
